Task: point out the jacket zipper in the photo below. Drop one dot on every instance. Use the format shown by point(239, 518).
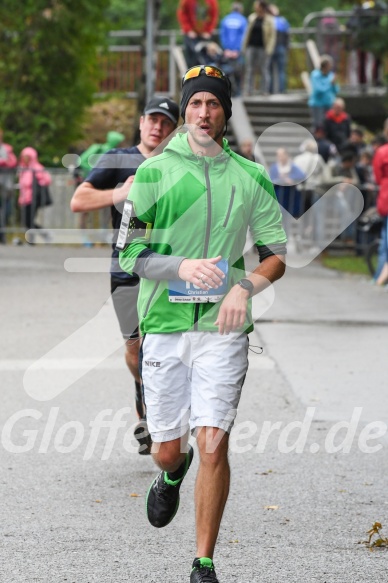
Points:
point(207, 233)
point(150, 299)
point(230, 206)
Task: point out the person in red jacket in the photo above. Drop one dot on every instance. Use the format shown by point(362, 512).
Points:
point(197, 19)
point(337, 124)
point(380, 167)
point(8, 161)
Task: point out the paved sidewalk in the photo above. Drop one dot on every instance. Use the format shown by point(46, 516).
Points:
point(291, 517)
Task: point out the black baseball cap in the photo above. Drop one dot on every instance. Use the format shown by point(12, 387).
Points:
point(165, 106)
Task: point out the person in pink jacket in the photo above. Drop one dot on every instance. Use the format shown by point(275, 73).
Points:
point(8, 162)
point(31, 174)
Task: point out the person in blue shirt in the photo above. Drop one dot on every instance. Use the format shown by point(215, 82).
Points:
point(232, 30)
point(323, 90)
point(278, 63)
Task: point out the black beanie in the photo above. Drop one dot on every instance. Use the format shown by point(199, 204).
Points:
point(218, 87)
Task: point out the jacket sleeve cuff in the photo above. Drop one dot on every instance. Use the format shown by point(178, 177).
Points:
point(264, 251)
point(151, 265)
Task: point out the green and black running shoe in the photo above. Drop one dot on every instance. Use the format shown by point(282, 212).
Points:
point(203, 571)
point(162, 500)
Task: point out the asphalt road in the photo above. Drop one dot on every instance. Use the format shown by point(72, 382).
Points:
point(306, 481)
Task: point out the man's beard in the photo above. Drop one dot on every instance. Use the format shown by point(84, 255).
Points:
point(210, 141)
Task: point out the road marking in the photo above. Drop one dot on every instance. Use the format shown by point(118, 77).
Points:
point(62, 364)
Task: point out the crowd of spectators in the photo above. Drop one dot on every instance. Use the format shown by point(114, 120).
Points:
point(32, 182)
point(250, 47)
point(340, 158)
point(255, 47)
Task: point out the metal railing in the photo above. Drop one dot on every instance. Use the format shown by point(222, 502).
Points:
point(65, 227)
point(56, 216)
point(122, 63)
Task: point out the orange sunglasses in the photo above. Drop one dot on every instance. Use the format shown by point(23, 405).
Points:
point(209, 70)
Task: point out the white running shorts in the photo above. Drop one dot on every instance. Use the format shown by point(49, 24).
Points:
point(192, 379)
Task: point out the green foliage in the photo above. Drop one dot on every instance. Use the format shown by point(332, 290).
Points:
point(48, 69)
point(125, 14)
point(347, 263)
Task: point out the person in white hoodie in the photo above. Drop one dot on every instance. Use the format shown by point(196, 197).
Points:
point(313, 166)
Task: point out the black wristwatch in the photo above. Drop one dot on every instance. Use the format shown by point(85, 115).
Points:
point(246, 284)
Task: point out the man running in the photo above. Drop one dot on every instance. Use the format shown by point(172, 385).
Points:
point(187, 218)
point(107, 185)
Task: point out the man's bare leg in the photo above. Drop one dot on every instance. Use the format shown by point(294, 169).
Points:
point(163, 495)
point(212, 487)
point(132, 357)
point(169, 455)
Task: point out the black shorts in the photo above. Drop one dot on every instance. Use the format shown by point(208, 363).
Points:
point(125, 304)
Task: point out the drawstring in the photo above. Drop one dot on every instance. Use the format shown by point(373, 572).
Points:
point(254, 351)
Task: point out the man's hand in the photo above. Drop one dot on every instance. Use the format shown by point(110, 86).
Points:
point(192, 34)
point(121, 193)
point(231, 315)
point(233, 310)
point(202, 272)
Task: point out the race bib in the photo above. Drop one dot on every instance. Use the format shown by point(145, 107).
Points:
point(184, 291)
point(124, 226)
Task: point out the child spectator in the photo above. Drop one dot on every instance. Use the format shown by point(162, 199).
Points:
point(31, 175)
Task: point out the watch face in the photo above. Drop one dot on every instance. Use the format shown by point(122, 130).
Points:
point(246, 284)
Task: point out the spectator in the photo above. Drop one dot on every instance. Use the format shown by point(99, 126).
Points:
point(286, 175)
point(367, 40)
point(31, 174)
point(197, 19)
point(329, 35)
point(311, 163)
point(88, 159)
point(378, 141)
point(356, 141)
point(279, 58)
point(258, 46)
point(232, 31)
point(246, 150)
point(337, 124)
point(380, 166)
point(8, 162)
point(368, 188)
point(323, 90)
point(325, 148)
point(343, 173)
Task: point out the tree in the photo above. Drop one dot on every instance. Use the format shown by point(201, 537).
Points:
point(48, 69)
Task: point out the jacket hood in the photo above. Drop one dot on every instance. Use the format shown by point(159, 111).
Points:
point(31, 152)
point(113, 139)
point(179, 145)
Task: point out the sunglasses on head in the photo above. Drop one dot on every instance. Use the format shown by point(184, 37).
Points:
point(209, 71)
